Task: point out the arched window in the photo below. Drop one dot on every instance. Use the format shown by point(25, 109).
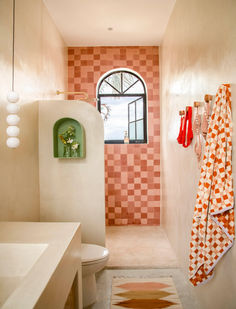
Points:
point(122, 103)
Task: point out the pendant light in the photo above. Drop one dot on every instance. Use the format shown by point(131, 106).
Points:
point(13, 97)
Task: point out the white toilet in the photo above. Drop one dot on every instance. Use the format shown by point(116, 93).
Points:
point(94, 259)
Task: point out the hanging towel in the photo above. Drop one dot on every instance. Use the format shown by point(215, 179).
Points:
point(180, 136)
point(213, 221)
point(187, 129)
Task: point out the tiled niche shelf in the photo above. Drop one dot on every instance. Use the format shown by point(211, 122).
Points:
point(60, 133)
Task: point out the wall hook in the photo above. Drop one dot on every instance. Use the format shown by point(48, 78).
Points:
point(208, 98)
point(197, 104)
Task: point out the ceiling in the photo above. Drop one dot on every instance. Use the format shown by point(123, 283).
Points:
point(132, 22)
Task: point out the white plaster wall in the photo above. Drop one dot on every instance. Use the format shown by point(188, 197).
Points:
point(40, 69)
point(73, 189)
point(198, 54)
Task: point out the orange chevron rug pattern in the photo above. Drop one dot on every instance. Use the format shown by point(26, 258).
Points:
point(144, 293)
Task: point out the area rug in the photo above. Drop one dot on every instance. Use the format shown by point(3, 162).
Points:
point(144, 293)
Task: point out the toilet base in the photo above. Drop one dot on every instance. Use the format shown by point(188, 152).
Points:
point(89, 290)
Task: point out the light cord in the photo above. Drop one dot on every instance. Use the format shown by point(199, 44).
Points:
point(13, 46)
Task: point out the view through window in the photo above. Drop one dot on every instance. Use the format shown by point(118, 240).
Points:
point(122, 103)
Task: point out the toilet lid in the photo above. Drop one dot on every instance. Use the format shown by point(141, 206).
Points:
point(90, 253)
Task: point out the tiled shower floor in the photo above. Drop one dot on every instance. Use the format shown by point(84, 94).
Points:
point(136, 246)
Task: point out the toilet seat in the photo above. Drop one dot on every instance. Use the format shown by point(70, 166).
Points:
point(91, 254)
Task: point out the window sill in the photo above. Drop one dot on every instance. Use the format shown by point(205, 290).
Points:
point(122, 142)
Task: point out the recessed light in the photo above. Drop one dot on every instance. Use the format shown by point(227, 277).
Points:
point(109, 28)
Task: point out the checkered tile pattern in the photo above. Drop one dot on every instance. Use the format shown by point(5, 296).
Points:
point(132, 171)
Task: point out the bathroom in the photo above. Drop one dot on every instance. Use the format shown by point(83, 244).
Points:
point(194, 56)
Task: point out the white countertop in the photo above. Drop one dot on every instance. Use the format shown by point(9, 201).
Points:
point(56, 238)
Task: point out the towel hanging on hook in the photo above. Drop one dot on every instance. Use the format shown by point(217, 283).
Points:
point(180, 136)
point(206, 115)
point(213, 220)
point(187, 129)
point(196, 129)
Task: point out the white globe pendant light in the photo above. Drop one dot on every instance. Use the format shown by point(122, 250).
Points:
point(13, 142)
point(13, 97)
point(13, 131)
point(13, 108)
point(13, 119)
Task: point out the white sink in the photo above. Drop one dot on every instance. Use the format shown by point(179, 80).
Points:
point(16, 260)
point(39, 261)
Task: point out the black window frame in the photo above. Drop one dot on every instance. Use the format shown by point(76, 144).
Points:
point(124, 94)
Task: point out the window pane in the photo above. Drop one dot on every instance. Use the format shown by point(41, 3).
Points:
point(115, 80)
point(137, 88)
point(106, 89)
point(122, 106)
point(128, 80)
point(117, 120)
point(139, 126)
point(132, 112)
point(139, 109)
point(132, 130)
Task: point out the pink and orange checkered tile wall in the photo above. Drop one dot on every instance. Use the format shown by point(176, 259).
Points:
point(132, 172)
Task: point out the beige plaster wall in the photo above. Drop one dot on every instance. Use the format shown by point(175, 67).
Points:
point(73, 189)
point(40, 69)
point(198, 53)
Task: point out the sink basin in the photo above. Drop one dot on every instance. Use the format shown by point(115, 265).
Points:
point(16, 260)
point(39, 263)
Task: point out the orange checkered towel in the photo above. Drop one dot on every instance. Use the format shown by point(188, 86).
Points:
point(213, 220)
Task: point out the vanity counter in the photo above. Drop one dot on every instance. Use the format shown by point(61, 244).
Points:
point(39, 262)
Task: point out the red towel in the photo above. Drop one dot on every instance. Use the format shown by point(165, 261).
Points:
point(187, 131)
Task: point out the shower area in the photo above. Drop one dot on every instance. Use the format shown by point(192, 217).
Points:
point(125, 83)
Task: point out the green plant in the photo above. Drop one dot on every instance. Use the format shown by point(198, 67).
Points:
point(71, 145)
